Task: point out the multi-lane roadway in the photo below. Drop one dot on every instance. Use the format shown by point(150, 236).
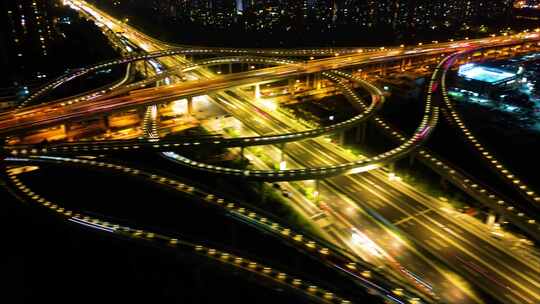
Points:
point(380, 208)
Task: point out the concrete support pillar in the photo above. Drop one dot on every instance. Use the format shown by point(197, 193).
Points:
point(68, 131)
point(65, 128)
point(310, 84)
point(383, 69)
point(141, 112)
point(257, 91)
point(317, 81)
point(490, 220)
point(229, 68)
point(444, 183)
point(360, 135)
point(145, 69)
point(282, 161)
point(291, 86)
point(105, 120)
point(392, 167)
point(190, 105)
point(412, 157)
point(316, 193)
point(342, 137)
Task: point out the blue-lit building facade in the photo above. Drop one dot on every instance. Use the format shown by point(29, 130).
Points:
point(488, 80)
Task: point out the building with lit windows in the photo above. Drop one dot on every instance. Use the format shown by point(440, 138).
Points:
point(316, 22)
point(397, 14)
point(421, 13)
point(27, 36)
point(527, 4)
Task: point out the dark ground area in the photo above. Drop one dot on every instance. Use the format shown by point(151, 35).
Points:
point(53, 260)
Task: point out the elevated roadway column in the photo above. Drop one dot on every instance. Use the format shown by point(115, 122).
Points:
point(405, 62)
point(282, 161)
point(316, 193)
point(310, 81)
point(360, 135)
point(291, 86)
point(392, 167)
point(105, 122)
point(145, 69)
point(257, 91)
point(490, 220)
point(317, 81)
point(412, 157)
point(383, 69)
point(190, 105)
point(341, 137)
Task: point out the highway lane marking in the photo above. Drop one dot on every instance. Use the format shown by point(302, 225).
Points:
point(440, 242)
point(437, 269)
point(433, 244)
point(437, 243)
point(456, 245)
point(377, 203)
point(428, 261)
point(409, 223)
point(495, 250)
point(412, 216)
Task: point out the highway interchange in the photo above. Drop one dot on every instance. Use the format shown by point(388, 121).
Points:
point(365, 199)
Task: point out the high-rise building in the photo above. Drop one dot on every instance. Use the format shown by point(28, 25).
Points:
point(365, 13)
point(421, 13)
point(27, 37)
point(239, 6)
point(397, 19)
